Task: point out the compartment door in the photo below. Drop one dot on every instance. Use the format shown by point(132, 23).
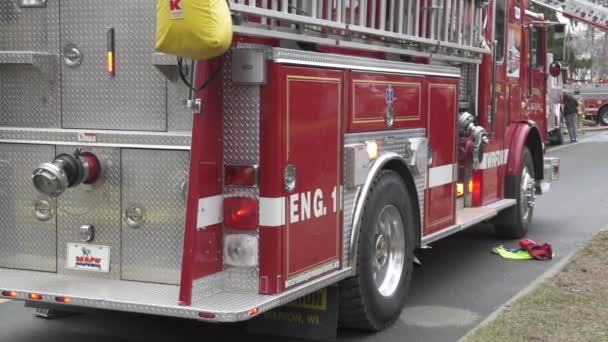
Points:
point(313, 146)
point(153, 182)
point(135, 97)
point(441, 192)
point(28, 239)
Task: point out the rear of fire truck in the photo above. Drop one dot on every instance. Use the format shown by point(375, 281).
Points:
point(329, 142)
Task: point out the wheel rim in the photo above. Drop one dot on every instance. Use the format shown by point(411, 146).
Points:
point(389, 249)
point(528, 194)
point(605, 118)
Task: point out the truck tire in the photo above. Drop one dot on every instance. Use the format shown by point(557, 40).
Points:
point(523, 210)
point(559, 137)
point(374, 298)
point(602, 117)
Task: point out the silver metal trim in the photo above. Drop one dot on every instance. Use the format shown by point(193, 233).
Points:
point(280, 55)
point(495, 208)
point(362, 197)
point(150, 298)
point(103, 138)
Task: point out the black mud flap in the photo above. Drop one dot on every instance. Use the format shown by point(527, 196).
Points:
point(313, 317)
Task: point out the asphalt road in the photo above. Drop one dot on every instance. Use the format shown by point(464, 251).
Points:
point(459, 285)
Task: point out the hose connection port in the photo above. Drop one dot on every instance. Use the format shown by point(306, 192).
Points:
point(66, 171)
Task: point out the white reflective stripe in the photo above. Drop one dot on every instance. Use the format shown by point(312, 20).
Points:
point(4, 301)
point(441, 175)
point(494, 159)
point(210, 211)
point(272, 211)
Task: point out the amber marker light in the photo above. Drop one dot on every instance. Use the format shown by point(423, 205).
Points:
point(111, 63)
point(65, 300)
point(34, 296)
point(11, 294)
point(253, 312)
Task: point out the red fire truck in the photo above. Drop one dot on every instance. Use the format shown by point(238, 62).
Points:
point(329, 143)
point(594, 99)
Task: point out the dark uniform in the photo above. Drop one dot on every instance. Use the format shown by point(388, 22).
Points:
point(571, 115)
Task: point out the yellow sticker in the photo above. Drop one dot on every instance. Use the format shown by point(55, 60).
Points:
point(314, 301)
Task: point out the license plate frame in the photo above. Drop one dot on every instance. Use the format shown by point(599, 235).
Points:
point(84, 257)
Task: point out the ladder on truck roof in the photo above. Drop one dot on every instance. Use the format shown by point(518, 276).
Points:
point(592, 12)
point(449, 30)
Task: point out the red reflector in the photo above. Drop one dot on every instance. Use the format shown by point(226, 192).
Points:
point(253, 312)
point(206, 315)
point(11, 294)
point(241, 213)
point(244, 175)
point(65, 300)
point(34, 296)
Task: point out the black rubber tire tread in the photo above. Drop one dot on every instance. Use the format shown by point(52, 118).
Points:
point(519, 228)
point(600, 117)
point(359, 305)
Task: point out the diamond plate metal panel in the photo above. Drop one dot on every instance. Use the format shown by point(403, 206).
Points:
point(153, 251)
point(241, 146)
point(135, 98)
point(179, 118)
point(29, 89)
point(390, 141)
point(97, 205)
point(28, 98)
point(26, 242)
point(281, 55)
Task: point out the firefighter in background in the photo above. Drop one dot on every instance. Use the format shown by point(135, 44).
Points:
point(580, 111)
point(571, 115)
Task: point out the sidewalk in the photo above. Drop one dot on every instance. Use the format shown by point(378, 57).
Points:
point(569, 306)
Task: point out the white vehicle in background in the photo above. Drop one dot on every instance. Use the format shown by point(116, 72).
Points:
point(554, 107)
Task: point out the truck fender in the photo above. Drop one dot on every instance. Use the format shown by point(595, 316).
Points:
point(524, 134)
point(390, 161)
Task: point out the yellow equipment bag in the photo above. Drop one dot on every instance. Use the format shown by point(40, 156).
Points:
point(197, 29)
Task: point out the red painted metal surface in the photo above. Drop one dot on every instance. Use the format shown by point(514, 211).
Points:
point(368, 104)
point(308, 135)
point(202, 249)
point(272, 162)
point(442, 95)
point(517, 134)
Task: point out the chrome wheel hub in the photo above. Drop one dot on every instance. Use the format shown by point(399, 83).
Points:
point(528, 194)
point(389, 251)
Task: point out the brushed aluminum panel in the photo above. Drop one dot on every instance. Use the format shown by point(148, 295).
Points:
point(26, 242)
point(97, 205)
point(156, 299)
point(138, 139)
point(389, 141)
point(135, 98)
point(153, 180)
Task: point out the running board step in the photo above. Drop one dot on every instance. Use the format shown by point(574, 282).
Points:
point(467, 217)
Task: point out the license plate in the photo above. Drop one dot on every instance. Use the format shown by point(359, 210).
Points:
point(88, 257)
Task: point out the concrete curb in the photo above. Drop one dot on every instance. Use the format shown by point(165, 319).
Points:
point(551, 272)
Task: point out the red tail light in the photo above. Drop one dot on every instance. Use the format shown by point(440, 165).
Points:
point(11, 294)
point(241, 213)
point(244, 175)
point(206, 315)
